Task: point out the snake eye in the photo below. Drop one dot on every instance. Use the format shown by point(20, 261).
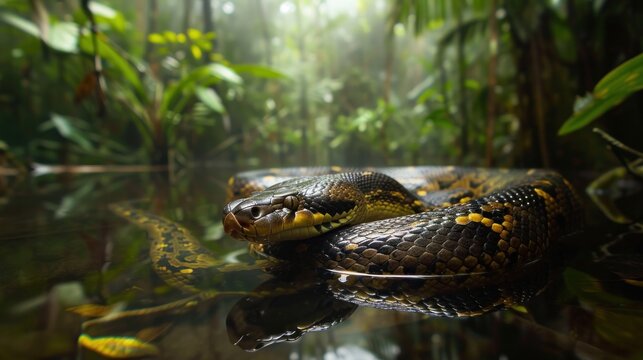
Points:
point(291, 202)
point(255, 211)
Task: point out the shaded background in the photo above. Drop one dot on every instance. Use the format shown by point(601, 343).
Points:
point(318, 82)
point(240, 84)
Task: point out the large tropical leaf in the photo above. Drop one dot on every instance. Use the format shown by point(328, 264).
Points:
point(62, 36)
point(610, 91)
point(186, 86)
point(259, 71)
point(113, 59)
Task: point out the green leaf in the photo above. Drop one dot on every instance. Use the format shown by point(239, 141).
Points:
point(123, 347)
point(106, 14)
point(113, 58)
point(210, 98)
point(69, 131)
point(156, 38)
point(625, 78)
point(63, 36)
point(610, 91)
point(472, 84)
point(224, 73)
point(196, 52)
point(259, 71)
point(207, 74)
point(170, 36)
point(20, 24)
point(194, 34)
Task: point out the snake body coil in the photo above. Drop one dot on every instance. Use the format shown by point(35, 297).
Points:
point(500, 218)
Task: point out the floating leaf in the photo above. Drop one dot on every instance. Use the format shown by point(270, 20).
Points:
point(120, 347)
point(520, 308)
point(152, 333)
point(91, 310)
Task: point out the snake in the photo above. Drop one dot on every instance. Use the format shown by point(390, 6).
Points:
point(444, 241)
point(407, 221)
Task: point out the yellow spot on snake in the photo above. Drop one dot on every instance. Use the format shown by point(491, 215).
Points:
point(303, 218)
point(421, 192)
point(487, 222)
point(465, 200)
point(318, 218)
point(351, 247)
point(496, 228)
point(187, 271)
point(475, 217)
point(462, 220)
point(336, 168)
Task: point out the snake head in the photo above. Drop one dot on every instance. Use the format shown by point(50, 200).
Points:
point(293, 210)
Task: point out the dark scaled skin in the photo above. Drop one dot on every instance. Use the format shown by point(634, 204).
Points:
point(514, 225)
point(305, 207)
point(501, 218)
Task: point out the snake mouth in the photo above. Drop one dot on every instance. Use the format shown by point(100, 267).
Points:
point(299, 225)
point(231, 226)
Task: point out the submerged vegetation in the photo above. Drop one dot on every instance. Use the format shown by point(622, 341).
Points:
point(316, 82)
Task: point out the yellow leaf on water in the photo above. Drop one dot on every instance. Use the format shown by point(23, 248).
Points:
point(151, 333)
point(120, 347)
point(521, 309)
point(91, 310)
point(634, 282)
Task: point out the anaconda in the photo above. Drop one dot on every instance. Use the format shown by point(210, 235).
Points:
point(475, 244)
point(452, 220)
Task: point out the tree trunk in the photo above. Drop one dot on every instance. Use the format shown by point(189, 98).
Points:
point(265, 31)
point(303, 86)
point(208, 26)
point(462, 68)
point(152, 20)
point(491, 83)
point(187, 14)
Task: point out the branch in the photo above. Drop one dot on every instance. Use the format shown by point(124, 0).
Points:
point(98, 64)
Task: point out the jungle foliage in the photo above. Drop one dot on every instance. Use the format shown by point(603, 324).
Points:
point(317, 81)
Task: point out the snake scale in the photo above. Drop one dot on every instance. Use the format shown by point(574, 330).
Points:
point(408, 221)
point(464, 237)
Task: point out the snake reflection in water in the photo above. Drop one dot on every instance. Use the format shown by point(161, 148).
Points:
point(468, 241)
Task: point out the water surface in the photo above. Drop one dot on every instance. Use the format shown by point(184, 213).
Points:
point(61, 247)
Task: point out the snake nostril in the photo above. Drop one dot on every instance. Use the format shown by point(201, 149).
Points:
point(255, 211)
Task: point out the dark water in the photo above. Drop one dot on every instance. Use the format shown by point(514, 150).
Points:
point(61, 247)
